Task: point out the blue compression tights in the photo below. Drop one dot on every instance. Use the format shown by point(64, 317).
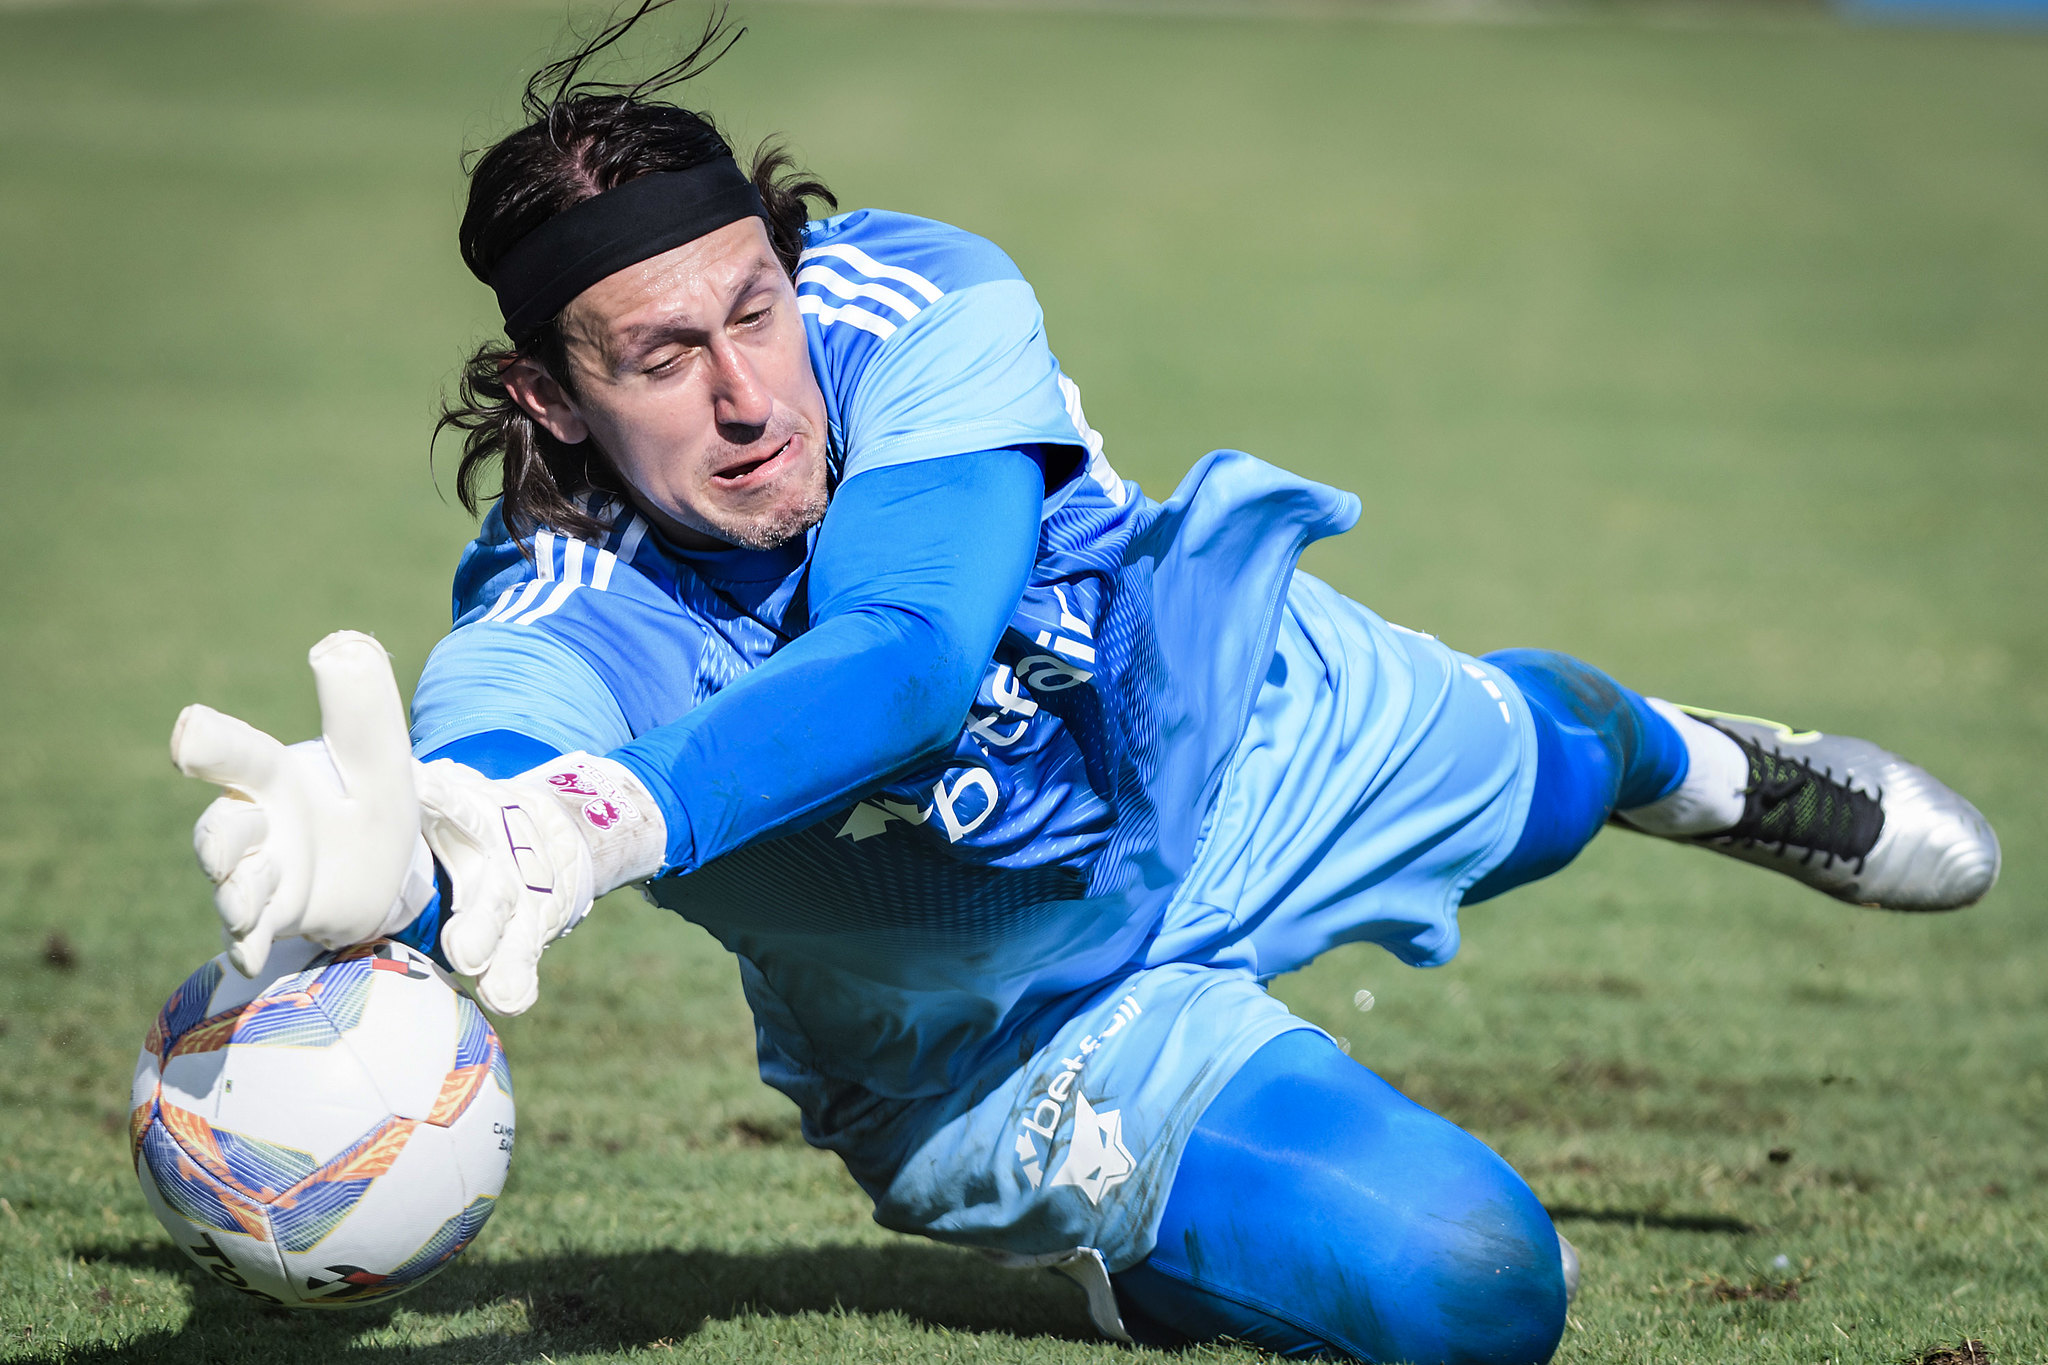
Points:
point(1316, 1211)
point(1319, 1213)
point(1599, 749)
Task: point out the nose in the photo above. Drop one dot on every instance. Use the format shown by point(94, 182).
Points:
point(741, 401)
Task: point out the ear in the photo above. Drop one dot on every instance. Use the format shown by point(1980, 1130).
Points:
point(545, 401)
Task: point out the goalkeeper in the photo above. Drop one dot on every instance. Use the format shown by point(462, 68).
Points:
point(811, 602)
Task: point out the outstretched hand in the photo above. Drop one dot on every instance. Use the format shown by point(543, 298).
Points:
point(313, 839)
point(527, 857)
point(336, 839)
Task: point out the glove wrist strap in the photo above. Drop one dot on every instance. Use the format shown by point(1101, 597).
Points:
point(617, 817)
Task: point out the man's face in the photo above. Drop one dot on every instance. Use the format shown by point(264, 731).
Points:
point(692, 375)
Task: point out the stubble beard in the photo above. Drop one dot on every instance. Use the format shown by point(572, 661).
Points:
point(773, 529)
point(790, 518)
point(794, 513)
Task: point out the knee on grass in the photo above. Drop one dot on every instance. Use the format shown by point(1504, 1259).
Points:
point(1497, 1292)
point(1479, 1286)
point(1317, 1211)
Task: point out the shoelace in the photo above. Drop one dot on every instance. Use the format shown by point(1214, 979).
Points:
point(1789, 805)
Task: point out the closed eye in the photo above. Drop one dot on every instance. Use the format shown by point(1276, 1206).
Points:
point(667, 361)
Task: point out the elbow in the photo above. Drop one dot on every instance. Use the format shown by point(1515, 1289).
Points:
point(932, 713)
point(933, 702)
point(927, 676)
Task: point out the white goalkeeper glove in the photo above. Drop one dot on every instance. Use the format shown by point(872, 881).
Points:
point(528, 855)
point(335, 839)
point(319, 839)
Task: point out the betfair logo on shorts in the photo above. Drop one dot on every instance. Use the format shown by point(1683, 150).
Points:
point(1097, 1161)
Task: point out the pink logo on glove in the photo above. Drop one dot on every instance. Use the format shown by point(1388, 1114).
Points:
point(603, 813)
point(571, 782)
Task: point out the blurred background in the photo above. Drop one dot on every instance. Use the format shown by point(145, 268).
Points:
point(1708, 341)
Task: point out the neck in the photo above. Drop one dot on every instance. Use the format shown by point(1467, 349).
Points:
point(675, 532)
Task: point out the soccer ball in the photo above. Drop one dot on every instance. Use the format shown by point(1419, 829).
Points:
point(330, 1133)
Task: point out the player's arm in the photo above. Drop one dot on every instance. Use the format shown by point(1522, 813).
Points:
point(917, 571)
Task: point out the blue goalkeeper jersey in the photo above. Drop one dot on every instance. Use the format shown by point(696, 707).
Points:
point(903, 945)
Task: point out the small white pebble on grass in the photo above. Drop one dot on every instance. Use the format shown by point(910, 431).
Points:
point(1363, 1000)
point(1781, 1262)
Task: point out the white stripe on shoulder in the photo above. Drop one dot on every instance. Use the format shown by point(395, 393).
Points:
point(572, 560)
point(831, 279)
point(868, 265)
point(505, 611)
point(503, 598)
point(853, 315)
point(544, 555)
point(601, 571)
point(563, 591)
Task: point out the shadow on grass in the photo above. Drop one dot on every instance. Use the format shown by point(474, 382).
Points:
point(1643, 1218)
point(577, 1302)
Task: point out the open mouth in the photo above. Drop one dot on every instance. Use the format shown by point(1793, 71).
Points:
point(746, 471)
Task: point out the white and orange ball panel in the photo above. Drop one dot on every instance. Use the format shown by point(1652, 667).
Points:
point(330, 1133)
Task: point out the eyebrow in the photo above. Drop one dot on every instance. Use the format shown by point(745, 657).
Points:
point(635, 338)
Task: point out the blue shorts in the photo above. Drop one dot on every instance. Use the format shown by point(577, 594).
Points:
point(1078, 1146)
point(1381, 774)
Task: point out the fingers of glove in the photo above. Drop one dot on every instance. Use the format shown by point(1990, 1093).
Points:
point(484, 905)
point(233, 753)
point(247, 896)
point(228, 831)
point(464, 826)
point(471, 938)
point(437, 784)
point(250, 952)
point(511, 983)
point(363, 720)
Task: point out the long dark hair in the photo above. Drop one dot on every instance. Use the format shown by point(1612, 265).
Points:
point(584, 137)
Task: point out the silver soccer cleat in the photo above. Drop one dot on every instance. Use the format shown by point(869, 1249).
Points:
point(1853, 820)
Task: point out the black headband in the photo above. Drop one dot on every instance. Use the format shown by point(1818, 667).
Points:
point(623, 226)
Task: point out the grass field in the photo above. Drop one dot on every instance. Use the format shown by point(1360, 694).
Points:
point(1714, 350)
